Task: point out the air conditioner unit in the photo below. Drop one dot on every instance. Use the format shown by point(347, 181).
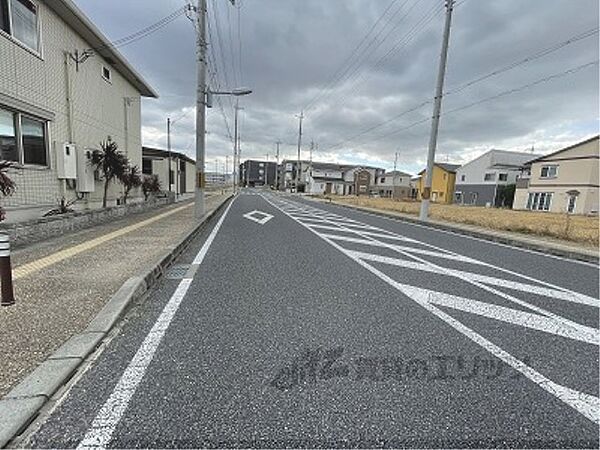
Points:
point(66, 161)
point(85, 171)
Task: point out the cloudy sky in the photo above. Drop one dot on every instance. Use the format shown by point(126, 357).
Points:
point(364, 72)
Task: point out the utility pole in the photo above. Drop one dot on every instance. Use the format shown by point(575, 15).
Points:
point(300, 118)
point(236, 146)
point(201, 44)
point(435, 123)
point(394, 176)
point(277, 166)
point(267, 171)
point(169, 151)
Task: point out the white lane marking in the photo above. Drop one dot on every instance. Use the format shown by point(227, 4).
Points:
point(99, 435)
point(574, 295)
point(408, 252)
point(498, 282)
point(474, 238)
point(202, 253)
point(586, 404)
point(516, 317)
point(258, 216)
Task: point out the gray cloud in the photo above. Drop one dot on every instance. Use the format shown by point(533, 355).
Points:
point(291, 48)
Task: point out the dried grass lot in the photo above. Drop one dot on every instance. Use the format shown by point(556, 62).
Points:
point(580, 229)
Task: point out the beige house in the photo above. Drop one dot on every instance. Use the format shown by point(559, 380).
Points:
point(181, 176)
point(563, 181)
point(63, 90)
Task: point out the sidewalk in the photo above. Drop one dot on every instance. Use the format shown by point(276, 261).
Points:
point(541, 244)
point(62, 283)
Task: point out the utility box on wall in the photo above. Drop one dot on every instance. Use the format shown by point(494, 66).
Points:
point(85, 171)
point(66, 161)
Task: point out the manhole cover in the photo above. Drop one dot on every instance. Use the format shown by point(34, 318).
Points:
point(177, 272)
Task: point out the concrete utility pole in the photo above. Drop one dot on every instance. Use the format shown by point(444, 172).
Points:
point(300, 118)
point(201, 44)
point(435, 123)
point(267, 171)
point(277, 166)
point(169, 151)
point(394, 176)
point(236, 146)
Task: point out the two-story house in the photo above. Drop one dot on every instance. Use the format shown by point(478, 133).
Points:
point(394, 184)
point(485, 180)
point(63, 89)
point(442, 186)
point(566, 181)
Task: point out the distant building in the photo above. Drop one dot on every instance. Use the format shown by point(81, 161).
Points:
point(55, 111)
point(489, 179)
point(257, 173)
point(442, 186)
point(564, 181)
point(395, 184)
point(331, 178)
point(179, 179)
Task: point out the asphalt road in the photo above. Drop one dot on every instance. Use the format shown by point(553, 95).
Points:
point(300, 324)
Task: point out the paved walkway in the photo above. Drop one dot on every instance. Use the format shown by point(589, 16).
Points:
point(60, 284)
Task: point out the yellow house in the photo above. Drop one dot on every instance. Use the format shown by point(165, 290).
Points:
point(442, 186)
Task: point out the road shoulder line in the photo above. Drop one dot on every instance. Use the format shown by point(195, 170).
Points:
point(19, 408)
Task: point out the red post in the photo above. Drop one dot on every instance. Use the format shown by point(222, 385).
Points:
point(8, 296)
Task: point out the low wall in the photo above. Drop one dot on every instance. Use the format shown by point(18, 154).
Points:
point(36, 230)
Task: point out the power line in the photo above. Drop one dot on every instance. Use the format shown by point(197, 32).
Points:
point(493, 97)
point(513, 65)
point(419, 27)
point(144, 32)
point(349, 58)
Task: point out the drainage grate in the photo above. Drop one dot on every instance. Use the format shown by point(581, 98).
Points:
point(177, 272)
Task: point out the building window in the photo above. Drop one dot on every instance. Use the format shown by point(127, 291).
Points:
point(8, 137)
point(18, 18)
point(549, 171)
point(463, 177)
point(146, 166)
point(571, 202)
point(539, 201)
point(503, 177)
point(23, 139)
point(382, 180)
point(489, 177)
point(33, 141)
point(106, 73)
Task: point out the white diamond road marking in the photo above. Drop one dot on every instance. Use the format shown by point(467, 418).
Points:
point(546, 321)
point(258, 216)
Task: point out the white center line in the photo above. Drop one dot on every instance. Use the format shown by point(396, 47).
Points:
point(100, 432)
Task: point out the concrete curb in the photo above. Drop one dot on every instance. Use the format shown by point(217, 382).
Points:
point(21, 405)
point(492, 235)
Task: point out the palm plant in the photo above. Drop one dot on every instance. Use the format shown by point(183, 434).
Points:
point(131, 179)
point(111, 163)
point(150, 185)
point(7, 185)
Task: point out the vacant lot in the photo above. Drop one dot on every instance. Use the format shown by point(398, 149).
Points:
point(573, 228)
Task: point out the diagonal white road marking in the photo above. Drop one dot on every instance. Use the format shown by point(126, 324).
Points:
point(586, 404)
point(493, 281)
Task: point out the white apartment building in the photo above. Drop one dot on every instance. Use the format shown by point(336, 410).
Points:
point(63, 90)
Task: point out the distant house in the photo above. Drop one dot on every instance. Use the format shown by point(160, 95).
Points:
point(179, 178)
point(563, 181)
point(442, 186)
point(488, 179)
point(329, 178)
point(394, 184)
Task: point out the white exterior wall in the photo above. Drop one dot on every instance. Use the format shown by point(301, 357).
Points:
point(474, 171)
point(99, 108)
